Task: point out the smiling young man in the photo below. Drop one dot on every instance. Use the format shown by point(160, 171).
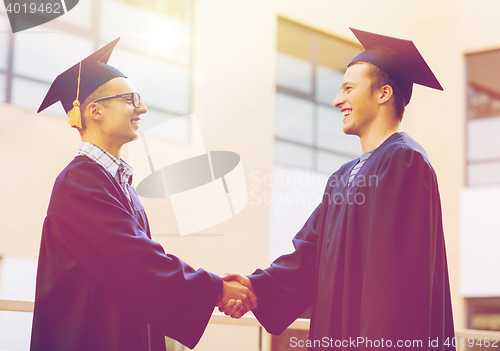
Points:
point(369, 107)
point(122, 107)
point(371, 258)
point(102, 283)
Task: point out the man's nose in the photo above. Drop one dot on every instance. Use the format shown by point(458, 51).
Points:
point(142, 108)
point(339, 100)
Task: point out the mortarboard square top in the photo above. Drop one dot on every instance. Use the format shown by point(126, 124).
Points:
point(81, 80)
point(399, 58)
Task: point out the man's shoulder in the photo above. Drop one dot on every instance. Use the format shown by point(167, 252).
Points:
point(82, 171)
point(402, 146)
point(82, 178)
point(80, 165)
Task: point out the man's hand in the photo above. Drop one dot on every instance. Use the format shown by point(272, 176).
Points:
point(237, 295)
point(240, 278)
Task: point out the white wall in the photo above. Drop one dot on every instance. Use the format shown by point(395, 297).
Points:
point(294, 195)
point(17, 282)
point(480, 245)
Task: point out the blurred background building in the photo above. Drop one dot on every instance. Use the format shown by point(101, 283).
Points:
point(260, 77)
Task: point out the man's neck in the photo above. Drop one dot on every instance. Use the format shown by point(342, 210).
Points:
point(374, 140)
point(111, 148)
point(378, 132)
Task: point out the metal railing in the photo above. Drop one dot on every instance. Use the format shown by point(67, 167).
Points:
point(465, 339)
point(16, 305)
point(217, 318)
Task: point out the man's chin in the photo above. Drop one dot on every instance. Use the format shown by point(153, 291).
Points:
point(131, 138)
point(135, 135)
point(348, 130)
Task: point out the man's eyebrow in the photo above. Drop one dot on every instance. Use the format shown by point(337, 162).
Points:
point(345, 83)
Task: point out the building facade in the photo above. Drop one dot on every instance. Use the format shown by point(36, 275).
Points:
point(260, 76)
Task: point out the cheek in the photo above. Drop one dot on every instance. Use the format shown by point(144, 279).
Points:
point(114, 123)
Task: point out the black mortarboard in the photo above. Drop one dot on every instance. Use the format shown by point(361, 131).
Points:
point(399, 58)
point(81, 80)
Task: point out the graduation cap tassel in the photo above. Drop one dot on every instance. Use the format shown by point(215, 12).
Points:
point(75, 116)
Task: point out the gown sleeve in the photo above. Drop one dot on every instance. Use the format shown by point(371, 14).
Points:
point(111, 246)
point(285, 289)
point(405, 282)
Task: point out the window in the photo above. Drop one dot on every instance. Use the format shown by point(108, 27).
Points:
point(4, 42)
point(483, 118)
point(310, 66)
point(154, 52)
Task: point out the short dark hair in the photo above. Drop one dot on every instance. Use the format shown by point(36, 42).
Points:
point(100, 92)
point(379, 78)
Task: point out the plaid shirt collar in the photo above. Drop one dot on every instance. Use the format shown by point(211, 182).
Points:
point(119, 169)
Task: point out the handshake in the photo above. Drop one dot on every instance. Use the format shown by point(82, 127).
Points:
point(237, 297)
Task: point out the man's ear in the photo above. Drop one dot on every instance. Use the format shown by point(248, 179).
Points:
point(94, 112)
point(385, 93)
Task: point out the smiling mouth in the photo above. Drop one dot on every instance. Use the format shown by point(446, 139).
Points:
point(135, 122)
point(346, 112)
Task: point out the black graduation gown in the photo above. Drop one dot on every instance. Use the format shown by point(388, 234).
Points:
point(102, 283)
point(370, 259)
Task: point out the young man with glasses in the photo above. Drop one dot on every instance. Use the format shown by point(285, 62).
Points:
point(102, 283)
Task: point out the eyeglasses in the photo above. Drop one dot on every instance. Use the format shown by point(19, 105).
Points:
point(136, 98)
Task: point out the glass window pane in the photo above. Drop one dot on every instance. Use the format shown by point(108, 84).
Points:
point(330, 133)
point(294, 73)
point(483, 142)
point(15, 330)
point(17, 282)
point(483, 173)
point(294, 119)
point(17, 278)
point(179, 9)
point(294, 40)
point(4, 41)
point(481, 102)
point(30, 94)
point(150, 33)
point(483, 84)
point(327, 84)
point(3, 87)
point(336, 53)
point(54, 52)
point(293, 155)
point(329, 162)
point(79, 16)
point(162, 85)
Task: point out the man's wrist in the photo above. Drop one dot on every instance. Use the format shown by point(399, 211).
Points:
point(221, 292)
